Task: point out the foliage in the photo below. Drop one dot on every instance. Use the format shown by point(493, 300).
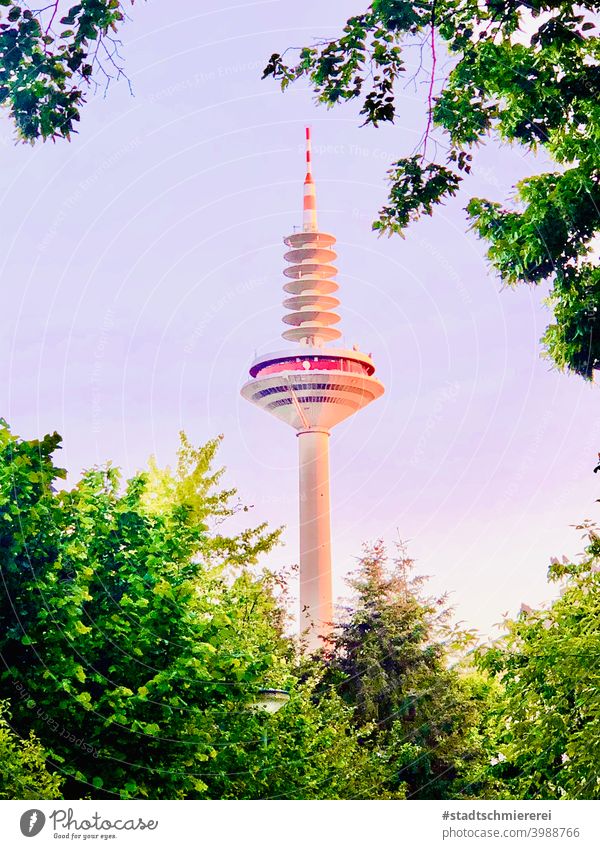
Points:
point(391, 660)
point(23, 771)
point(134, 638)
point(45, 69)
point(115, 630)
point(312, 749)
point(542, 94)
point(547, 722)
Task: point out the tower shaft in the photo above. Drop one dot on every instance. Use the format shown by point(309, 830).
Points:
point(316, 601)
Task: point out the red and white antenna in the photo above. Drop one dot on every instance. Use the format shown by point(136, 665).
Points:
point(312, 306)
point(309, 216)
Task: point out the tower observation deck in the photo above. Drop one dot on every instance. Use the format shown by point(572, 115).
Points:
point(312, 386)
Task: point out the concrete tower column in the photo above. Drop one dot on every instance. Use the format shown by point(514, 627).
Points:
point(316, 606)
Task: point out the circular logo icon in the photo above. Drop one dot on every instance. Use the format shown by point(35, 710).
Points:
point(32, 822)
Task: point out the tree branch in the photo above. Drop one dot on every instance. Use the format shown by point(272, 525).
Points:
point(431, 84)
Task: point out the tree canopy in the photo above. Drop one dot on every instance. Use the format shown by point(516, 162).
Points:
point(526, 73)
point(49, 56)
point(135, 636)
point(393, 657)
point(23, 770)
point(545, 724)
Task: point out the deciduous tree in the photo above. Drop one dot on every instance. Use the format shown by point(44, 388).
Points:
point(526, 73)
point(49, 56)
point(23, 770)
point(545, 725)
point(135, 635)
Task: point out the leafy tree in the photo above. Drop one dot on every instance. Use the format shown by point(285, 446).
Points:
point(547, 721)
point(391, 659)
point(526, 73)
point(312, 749)
point(23, 771)
point(135, 637)
point(45, 68)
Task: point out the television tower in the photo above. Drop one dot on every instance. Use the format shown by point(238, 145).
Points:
point(312, 387)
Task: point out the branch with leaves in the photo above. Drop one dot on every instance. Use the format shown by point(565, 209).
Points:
point(541, 94)
point(45, 69)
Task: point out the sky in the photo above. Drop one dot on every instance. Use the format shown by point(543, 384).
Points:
point(142, 272)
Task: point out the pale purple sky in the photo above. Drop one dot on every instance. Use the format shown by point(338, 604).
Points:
point(142, 268)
